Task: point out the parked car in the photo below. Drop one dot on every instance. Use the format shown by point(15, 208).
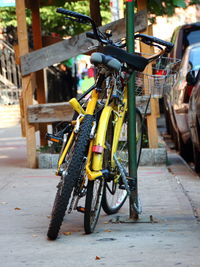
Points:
point(176, 101)
point(193, 80)
point(184, 36)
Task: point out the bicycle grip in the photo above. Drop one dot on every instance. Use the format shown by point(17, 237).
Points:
point(151, 39)
point(72, 14)
point(169, 45)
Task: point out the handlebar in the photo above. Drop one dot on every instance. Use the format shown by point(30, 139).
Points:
point(72, 14)
point(150, 40)
point(83, 19)
point(103, 39)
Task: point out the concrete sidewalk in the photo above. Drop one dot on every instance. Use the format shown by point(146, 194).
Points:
point(167, 233)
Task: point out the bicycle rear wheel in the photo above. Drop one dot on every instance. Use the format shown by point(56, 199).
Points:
point(75, 161)
point(115, 194)
point(93, 204)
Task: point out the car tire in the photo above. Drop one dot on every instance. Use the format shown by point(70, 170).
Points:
point(185, 149)
point(196, 157)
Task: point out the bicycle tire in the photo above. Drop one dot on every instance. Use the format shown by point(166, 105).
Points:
point(93, 204)
point(114, 196)
point(70, 177)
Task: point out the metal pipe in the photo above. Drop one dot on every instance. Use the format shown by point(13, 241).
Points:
point(133, 198)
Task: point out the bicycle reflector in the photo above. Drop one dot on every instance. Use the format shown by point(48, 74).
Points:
point(54, 138)
point(97, 149)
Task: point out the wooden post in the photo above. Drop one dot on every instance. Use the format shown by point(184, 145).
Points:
point(37, 43)
point(152, 118)
point(27, 92)
point(121, 9)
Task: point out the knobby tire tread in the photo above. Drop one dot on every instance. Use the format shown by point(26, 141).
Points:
point(70, 179)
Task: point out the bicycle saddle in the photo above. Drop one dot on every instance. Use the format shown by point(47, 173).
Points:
point(134, 61)
point(111, 62)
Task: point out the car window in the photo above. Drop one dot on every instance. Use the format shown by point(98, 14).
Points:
point(191, 37)
point(194, 58)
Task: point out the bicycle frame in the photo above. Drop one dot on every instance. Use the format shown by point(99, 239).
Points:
point(77, 107)
point(101, 132)
point(94, 163)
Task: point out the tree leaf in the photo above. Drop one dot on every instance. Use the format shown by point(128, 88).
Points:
point(179, 3)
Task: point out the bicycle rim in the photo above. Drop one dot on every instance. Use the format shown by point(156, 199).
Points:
point(139, 134)
point(114, 193)
point(113, 196)
point(93, 204)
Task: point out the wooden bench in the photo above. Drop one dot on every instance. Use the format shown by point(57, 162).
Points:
point(54, 112)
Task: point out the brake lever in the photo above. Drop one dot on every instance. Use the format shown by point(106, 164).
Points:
point(150, 43)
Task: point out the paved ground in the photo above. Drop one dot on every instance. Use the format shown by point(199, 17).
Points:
point(167, 234)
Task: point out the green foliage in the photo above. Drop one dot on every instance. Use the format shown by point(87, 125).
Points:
point(167, 7)
point(54, 22)
point(8, 16)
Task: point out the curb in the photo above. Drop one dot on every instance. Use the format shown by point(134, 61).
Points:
point(149, 157)
point(187, 179)
point(153, 156)
point(47, 161)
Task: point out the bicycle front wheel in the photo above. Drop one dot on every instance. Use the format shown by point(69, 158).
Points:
point(93, 204)
point(115, 194)
point(74, 165)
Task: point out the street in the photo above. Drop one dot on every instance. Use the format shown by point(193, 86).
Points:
point(166, 234)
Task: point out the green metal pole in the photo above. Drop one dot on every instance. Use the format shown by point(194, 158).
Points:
point(132, 153)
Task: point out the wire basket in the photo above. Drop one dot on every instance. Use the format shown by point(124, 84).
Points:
point(164, 73)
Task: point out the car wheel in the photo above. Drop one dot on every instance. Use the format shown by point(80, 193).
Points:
point(196, 156)
point(167, 121)
point(185, 149)
point(167, 117)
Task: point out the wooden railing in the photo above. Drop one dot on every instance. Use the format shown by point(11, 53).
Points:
point(10, 76)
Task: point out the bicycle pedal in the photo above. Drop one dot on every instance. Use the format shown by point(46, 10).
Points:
point(54, 138)
point(80, 209)
point(122, 186)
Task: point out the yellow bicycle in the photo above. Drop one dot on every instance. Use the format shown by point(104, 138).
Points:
point(93, 162)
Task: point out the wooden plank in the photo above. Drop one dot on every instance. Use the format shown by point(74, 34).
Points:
point(48, 113)
point(62, 111)
point(37, 43)
point(74, 46)
point(142, 4)
point(152, 118)
point(27, 92)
